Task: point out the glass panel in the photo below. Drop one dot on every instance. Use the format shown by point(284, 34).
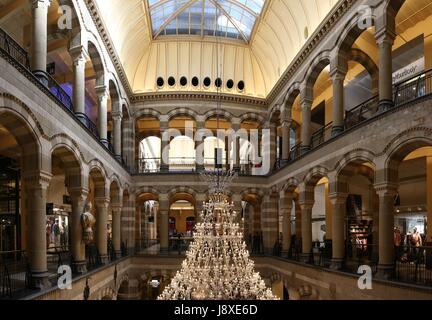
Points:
point(235, 19)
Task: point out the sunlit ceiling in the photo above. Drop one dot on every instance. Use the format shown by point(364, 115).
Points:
point(233, 19)
point(249, 41)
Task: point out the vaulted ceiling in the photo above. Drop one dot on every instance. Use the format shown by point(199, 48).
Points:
point(181, 44)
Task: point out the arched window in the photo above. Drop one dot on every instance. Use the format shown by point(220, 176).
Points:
point(182, 154)
point(149, 154)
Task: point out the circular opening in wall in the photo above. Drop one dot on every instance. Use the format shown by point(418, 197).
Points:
point(241, 85)
point(160, 82)
point(218, 82)
point(195, 81)
point(171, 81)
point(183, 81)
point(207, 82)
point(230, 84)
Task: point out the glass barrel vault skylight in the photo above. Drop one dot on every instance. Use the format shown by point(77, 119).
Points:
point(233, 19)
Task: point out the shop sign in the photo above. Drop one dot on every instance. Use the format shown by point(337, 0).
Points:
point(409, 71)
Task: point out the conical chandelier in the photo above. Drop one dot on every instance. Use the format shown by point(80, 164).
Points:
point(217, 264)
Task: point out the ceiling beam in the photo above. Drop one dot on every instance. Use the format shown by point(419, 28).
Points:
point(231, 20)
point(174, 15)
point(146, 9)
point(241, 5)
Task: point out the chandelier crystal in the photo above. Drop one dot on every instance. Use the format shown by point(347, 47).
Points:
point(217, 264)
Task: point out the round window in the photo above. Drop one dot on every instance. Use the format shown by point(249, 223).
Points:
point(230, 84)
point(183, 81)
point(171, 81)
point(195, 81)
point(207, 82)
point(160, 82)
point(241, 85)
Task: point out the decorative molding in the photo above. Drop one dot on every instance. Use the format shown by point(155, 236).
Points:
point(109, 45)
point(198, 96)
point(326, 26)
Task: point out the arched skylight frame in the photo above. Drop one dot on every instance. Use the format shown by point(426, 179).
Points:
point(232, 19)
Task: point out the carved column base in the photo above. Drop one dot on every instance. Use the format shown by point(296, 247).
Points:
point(336, 264)
point(40, 281)
point(385, 272)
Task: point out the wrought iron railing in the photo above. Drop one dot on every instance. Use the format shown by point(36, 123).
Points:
point(13, 49)
point(15, 275)
point(89, 124)
point(321, 135)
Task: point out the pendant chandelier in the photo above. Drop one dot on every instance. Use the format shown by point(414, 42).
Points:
point(217, 264)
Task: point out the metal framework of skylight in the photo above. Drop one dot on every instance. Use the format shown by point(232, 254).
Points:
point(233, 19)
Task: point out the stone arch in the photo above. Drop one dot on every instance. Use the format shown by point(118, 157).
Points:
point(402, 145)
point(292, 94)
point(357, 156)
point(147, 112)
point(252, 116)
point(98, 64)
point(62, 139)
point(275, 113)
point(125, 111)
point(314, 175)
point(183, 189)
point(177, 112)
point(20, 127)
point(353, 164)
point(217, 112)
point(366, 61)
point(98, 175)
point(290, 185)
point(258, 192)
point(147, 189)
point(317, 66)
point(73, 165)
point(114, 94)
point(351, 31)
point(115, 191)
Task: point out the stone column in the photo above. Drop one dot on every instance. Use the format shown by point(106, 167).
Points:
point(386, 192)
point(164, 207)
point(306, 127)
point(116, 228)
point(102, 94)
point(272, 147)
point(285, 206)
point(39, 47)
point(270, 221)
point(286, 128)
point(199, 148)
point(36, 190)
point(101, 228)
point(236, 126)
point(338, 201)
point(128, 143)
point(79, 57)
point(306, 230)
point(385, 42)
point(78, 198)
point(164, 166)
point(117, 131)
point(338, 78)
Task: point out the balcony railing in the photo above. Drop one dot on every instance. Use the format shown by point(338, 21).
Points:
point(407, 91)
point(13, 49)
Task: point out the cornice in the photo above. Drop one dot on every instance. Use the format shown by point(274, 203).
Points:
point(109, 45)
point(325, 27)
point(158, 96)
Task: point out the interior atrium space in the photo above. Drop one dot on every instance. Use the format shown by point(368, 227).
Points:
point(228, 150)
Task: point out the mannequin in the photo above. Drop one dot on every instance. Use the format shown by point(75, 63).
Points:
point(87, 222)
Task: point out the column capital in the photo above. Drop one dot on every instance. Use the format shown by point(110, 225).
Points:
point(337, 73)
point(102, 91)
point(116, 208)
point(163, 197)
point(117, 116)
point(79, 54)
point(37, 179)
point(338, 198)
point(35, 4)
point(386, 188)
point(385, 36)
point(306, 204)
point(78, 192)
point(102, 202)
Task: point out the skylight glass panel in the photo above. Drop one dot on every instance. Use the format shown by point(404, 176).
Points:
point(234, 19)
